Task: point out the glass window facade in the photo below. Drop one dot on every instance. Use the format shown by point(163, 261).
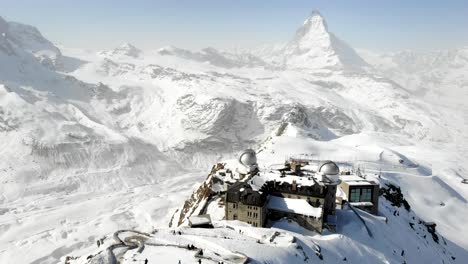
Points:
point(360, 195)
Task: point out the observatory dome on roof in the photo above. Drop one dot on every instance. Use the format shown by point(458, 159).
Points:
point(248, 157)
point(329, 167)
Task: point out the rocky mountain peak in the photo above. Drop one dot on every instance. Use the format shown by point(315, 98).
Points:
point(314, 47)
point(315, 23)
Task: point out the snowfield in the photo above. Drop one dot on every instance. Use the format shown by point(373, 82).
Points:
point(96, 142)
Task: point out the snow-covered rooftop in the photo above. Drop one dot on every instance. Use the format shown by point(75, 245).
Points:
point(196, 220)
point(297, 206)
point(355, 180)
point(308, 180)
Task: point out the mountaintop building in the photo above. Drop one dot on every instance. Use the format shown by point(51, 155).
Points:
point(296, 192)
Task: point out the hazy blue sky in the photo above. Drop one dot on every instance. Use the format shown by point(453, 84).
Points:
point(380, 25)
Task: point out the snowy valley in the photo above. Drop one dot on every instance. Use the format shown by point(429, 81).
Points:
point(96, 142)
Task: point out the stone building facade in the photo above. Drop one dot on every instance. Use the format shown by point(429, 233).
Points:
point(244, 204)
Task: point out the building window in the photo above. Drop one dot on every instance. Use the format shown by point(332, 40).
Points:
point(360, 195)
point(354, 195)
point(366, 195)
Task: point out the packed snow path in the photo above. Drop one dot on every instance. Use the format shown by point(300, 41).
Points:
point(138, 240)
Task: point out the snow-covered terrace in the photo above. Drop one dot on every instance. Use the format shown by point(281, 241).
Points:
point(296, 206)
point(361, 204)
point(310, 180)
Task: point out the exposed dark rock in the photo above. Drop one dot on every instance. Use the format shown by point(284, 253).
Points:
point(393, 194)
point(431, 228)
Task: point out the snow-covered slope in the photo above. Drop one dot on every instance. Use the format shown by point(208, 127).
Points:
point(60, 150)
point(434, 74)
point(397, 235)
point(93, 142)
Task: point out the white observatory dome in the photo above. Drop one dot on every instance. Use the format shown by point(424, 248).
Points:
point(248, 157)
point(328, 167)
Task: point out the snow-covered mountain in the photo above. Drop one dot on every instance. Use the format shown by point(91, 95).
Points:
point(94, 142)
point(433, 74)
point(125, 49)
point(215, 57)
point(314, 47)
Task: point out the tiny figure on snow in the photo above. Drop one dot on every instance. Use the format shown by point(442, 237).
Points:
point(146, 261)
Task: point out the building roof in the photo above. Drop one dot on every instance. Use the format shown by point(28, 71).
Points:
point(297, 188)
point(304, 180)
point(243, 192)
point(356, 180)
point(248, 157)
point(200, 220)
point(295, 206)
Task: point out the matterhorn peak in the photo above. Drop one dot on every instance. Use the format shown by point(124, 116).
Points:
point(314, 46)
point(312, 34)
point(316, 21)
point(315, 24)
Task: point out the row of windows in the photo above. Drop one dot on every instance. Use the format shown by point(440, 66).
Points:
point(252, 223)
point(360, 195)
point(252, 214)
point(255, 208)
